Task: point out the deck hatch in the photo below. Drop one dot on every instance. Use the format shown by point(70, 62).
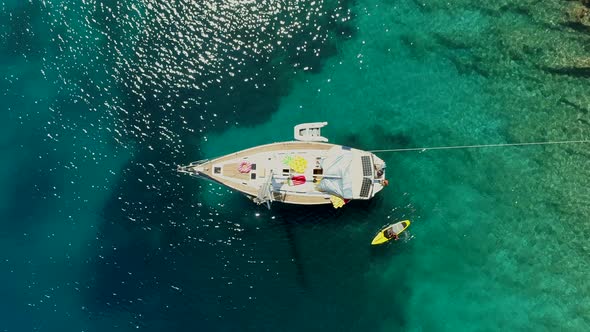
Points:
point(365, 187)
point(367, 167)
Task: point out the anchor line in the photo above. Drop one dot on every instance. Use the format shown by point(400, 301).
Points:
point(481, 146)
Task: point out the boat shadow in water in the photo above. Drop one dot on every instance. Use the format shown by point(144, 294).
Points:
point(292, 218)
point(295, 219)
point(346, 249)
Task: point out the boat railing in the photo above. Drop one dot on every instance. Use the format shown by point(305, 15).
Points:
point(264, 194)
point(198, 162)
point(191, 169)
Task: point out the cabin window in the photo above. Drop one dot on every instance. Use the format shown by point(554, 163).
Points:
point(253, 176)
point(286, 170)
point(217, 170)
point(318, 171)
point(253, 167)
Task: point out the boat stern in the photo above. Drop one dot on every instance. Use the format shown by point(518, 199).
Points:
point(379, 179)
point(368, 174)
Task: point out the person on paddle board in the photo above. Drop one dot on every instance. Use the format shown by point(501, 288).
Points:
point(390, 234)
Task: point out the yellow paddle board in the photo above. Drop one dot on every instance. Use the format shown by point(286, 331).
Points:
point(397, 228)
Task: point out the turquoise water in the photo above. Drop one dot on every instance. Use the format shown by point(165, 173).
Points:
point(103, 99)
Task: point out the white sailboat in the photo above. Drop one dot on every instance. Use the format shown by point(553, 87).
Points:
point(307, 171)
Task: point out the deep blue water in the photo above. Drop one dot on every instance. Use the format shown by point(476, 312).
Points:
point(101, 99)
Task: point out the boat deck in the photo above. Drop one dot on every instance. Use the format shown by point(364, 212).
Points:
point(267, 158)
point(293, 172)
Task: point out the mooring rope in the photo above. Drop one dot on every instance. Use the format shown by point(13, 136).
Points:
point(480, 146)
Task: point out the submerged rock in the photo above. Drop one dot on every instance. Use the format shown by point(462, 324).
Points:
point(579, 16)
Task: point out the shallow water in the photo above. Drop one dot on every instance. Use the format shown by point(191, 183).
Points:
point(102, 99)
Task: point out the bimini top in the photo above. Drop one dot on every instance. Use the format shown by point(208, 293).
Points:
point(337, 176)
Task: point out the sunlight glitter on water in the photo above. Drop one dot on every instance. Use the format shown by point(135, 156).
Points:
point(104, 98)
